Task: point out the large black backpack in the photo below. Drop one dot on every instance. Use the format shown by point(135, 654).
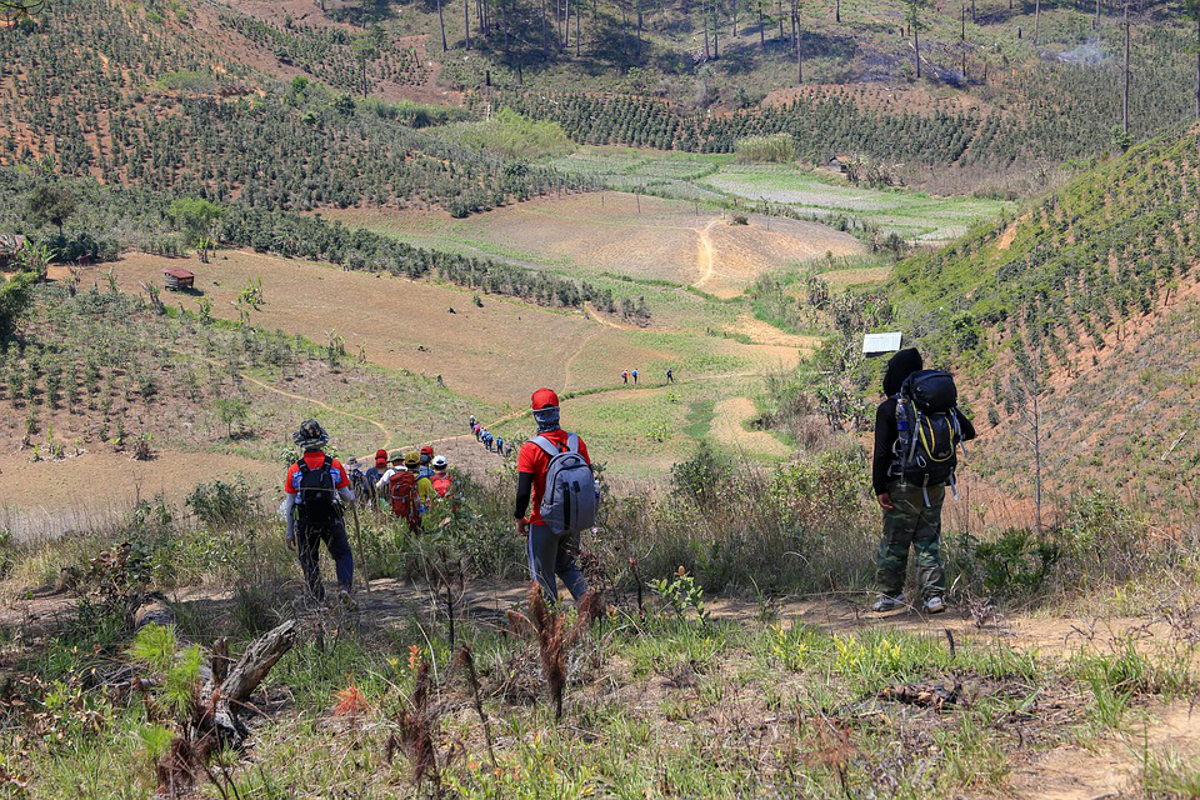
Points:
point(315, 492)
point(926, 449)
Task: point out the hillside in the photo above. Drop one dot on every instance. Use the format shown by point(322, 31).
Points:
point(1004, 91)
point(126, 95)
point(256, 100)
point(1087, 297)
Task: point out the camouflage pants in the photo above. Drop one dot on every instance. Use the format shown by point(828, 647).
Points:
point(914, 524)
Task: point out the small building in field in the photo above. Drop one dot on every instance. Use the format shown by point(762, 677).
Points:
point(839, 163)
point(10, 245)
point(178, 279)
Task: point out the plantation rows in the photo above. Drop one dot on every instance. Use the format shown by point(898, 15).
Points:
point(333, 55)
point(299, 148)
point(1102, 250)
point(110, 219)
point(97, 356)
point(1048, 112)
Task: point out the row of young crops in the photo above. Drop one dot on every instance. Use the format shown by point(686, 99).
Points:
point(1049, 111)
point(143, 103)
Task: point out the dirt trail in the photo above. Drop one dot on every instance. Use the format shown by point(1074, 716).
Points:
point(574, 356)
point(387, 434)
point(1111, 770)
point(730, 417)
point(705, 254)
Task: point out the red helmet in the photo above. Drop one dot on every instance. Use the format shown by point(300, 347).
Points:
point(544, 398)
point(427, 450)
point(381, 455)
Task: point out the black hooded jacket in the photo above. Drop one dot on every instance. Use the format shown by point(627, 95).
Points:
point(903, 364)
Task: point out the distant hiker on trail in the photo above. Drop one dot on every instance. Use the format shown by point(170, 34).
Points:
point(397, 463)
point(625, 376)
point(441, 481)
point(500, 445)
point(478, 431)
point(554, 471)
point(670, 375)
point(357, 479)
point(635, 376)
point(403, 489)
point(487, 441)
point(918, 430)
point(471, 422)
point(372, 476)
point(316, 488)
point(426, 471)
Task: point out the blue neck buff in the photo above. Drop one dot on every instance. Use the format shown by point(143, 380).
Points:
point(547, 419)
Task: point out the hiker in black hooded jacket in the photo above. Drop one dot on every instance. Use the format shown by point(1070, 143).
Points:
point(912, 515)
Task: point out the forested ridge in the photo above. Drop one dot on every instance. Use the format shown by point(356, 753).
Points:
point(1047, 113)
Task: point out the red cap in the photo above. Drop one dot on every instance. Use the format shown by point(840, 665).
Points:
point(381, 454)
point(544, 398)
point(427, 450)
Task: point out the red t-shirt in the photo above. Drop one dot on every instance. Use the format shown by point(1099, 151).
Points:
point(314, 461)
point(535, 461)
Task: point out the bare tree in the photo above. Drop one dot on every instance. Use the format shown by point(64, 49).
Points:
point(914, 22)
point(1125, 97)
point(13, 10)
point(1191, 8)
point(1026, 390)
point(442, 25)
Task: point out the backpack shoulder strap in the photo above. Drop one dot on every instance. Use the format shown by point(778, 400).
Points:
point(573, 442)
point(546, 445)
point(302, 466)
point(328, 465)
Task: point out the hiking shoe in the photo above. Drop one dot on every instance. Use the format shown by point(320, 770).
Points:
point(935, 605)
point(348, 601)
point(888, 603)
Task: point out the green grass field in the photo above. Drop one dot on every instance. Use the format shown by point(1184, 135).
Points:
point(917, 217)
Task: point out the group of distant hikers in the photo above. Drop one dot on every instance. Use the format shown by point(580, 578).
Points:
point(491, 442)
point(919, 431)
point(627, 374)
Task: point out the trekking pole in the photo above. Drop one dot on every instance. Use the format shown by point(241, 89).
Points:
point(358, 542)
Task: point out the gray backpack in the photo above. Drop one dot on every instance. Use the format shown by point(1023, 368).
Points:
point(569, 502)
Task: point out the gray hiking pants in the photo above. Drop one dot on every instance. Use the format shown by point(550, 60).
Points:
point(552, 554)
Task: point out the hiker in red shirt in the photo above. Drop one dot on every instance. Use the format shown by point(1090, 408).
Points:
point(316, 490)
point(551, 552)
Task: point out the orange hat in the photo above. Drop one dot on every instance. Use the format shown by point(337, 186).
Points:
point(544, 398)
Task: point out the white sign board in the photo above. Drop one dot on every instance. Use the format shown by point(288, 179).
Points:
point(878, 343)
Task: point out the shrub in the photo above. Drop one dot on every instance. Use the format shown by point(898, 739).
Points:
point(1018, 562)
point(779, 148)
point(511, 135)
point(221, 504)
point(704, 477)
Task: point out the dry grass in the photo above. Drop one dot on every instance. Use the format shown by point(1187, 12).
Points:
point(401, 324)
point(605, 232)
